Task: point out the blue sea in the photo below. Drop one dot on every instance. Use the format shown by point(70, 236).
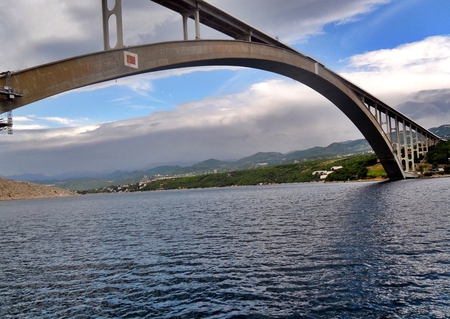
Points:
point(313, 250)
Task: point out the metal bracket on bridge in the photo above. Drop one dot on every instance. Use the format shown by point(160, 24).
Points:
point(10, 94)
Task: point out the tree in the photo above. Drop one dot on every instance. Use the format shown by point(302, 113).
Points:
point(439, 153)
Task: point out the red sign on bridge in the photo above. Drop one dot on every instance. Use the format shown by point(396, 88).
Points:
point(131, 59)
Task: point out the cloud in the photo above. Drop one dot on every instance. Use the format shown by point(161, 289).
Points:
point(429, 108)
point(394, 74)
point(295, 21)
point(39, 32)
point(33, 122)
point(430, 54)
point(47, 30)
point(275, 115)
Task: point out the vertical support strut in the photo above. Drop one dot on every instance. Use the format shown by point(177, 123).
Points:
point(196, 15)
point(415, 147)
point(405, 146)
point(116, 11)
point(397, 138)
point(389, 126)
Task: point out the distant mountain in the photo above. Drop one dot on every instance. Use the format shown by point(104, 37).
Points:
point(261, 158)
point(335, 149)
point(208, 166)
point(119, 177)
point(442, 131)
point(162, 170)
point(90, 180)
point(28, 177)
point(64, 176)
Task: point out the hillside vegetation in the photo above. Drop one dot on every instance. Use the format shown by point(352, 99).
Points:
point(209, 166)
point(439, 154)
point(82, 181)
point(353, 168)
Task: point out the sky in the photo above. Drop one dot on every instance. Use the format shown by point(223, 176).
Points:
point(397, 50)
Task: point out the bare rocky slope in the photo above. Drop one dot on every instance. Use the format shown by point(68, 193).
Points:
point(10, 190)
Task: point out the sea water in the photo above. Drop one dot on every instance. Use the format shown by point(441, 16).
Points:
point(313, 250)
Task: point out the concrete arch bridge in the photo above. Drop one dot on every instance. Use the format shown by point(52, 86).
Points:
point(396, 139)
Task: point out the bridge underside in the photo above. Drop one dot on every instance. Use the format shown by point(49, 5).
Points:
point(46, 80)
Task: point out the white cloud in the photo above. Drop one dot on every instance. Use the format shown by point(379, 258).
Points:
point(32, 139)
point(21, 127)
point(38, 32)
point(60, 120)
point(34, 122)
point(431, 54)
point(42, 31)
point(27, 123)
point(22, 119)
point(276, 115)
point(394, 74)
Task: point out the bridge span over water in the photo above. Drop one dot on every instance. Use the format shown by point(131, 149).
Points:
point(396, 139)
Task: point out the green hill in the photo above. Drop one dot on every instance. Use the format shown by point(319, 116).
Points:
point(353, 168)
point(442, 131)
point(260, 159)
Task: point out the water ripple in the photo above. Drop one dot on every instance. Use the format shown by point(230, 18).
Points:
point(375, 250)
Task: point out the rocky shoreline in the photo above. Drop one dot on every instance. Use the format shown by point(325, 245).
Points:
point(11, 190)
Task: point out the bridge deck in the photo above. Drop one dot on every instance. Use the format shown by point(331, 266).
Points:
point(222, 21)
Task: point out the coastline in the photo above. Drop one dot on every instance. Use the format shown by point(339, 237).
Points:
point(18, 190)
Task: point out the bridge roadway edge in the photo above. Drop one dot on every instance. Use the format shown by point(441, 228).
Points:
point(57, 77)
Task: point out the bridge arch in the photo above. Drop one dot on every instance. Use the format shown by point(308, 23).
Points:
point(50, 79)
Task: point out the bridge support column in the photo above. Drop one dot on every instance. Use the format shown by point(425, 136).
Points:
point(415, 138)
point(389, 126)
point(196, 15)
point(398, 140)
point(404, 144)
point(115, 12)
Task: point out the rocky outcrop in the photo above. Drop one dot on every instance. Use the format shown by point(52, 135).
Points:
point(10, 190)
